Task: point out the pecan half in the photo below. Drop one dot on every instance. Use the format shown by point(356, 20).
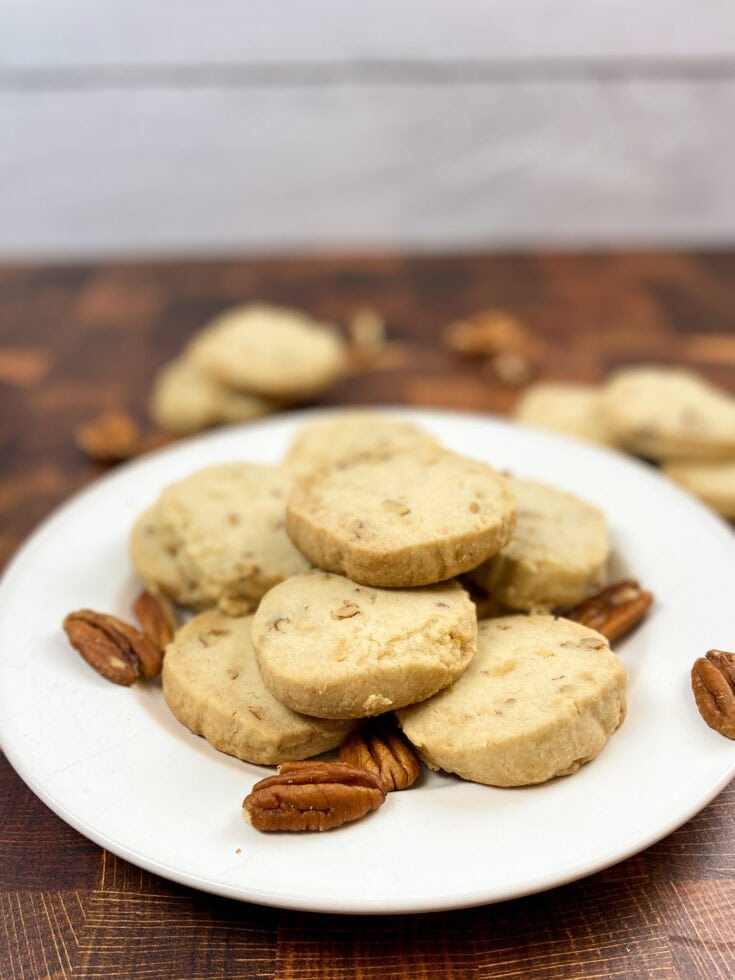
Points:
point(382, 749)
point(613, 610)
point(109, 438)
point(116, 650)
point(107, 650)
point(156, 617)
point(312, 796)
point(487, 333)
point(713, 684)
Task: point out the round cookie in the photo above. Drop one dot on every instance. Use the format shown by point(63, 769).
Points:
point(274, 352)
point(714, 483)
point(540, 698)
point(185, 400)
point(328, 647)
point(666, 413)
point(348, 434)
point(224, 527)
point(157, 565)
point(558, 552)
point(212, 685)
point(401, 519)
point(564, 407)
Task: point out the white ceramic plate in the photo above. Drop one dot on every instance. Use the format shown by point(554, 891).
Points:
point(114, 763)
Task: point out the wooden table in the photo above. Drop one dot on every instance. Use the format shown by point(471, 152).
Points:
point(80, 339)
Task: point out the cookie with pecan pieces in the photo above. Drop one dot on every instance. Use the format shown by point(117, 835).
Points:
point(212, 685)
point(401, 519)
point(558, 551)
point(541, 697)
point(328, 647)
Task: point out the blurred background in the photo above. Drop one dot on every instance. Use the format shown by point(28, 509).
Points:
point(210, 127)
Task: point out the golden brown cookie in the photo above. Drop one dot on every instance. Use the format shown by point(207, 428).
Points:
point(540, 698)
point(558, 552)
point(270, 351)
point(212, 685)
point(401, 519)
point(328, 647)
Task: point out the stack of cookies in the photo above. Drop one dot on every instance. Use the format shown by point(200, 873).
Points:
point(250, 361)
point(670, 416)
point(334, 591)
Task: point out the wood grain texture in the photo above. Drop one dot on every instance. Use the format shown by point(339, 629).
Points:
point(78, 340)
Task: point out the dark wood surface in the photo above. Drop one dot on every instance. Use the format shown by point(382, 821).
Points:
point(77, 340)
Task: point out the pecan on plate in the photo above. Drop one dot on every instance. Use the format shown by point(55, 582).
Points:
point(713, 683)
point(115, 649)
point(156, 617)
point(312, 796)
point(613, 610)
point(382, 749)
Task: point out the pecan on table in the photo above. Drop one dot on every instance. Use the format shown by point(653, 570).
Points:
point(486, 333)
point(713, 684)
point(109, 438)
point(613, 610)
point(383, 750)
point(312, 796)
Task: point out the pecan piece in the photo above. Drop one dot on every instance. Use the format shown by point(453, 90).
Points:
point(109, 438)
point(713, 684)
point(156, 617)
point(312, 796)
point(116, 650)
point(382, 749)
point(613, 610)
point(106, 650)
point(487, 333)
point(347, 610)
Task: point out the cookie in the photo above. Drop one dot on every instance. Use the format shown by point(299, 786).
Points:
point(157, 566)
point(540, 698)
point(224, 529)
point(712, 482)
point(212, 685)
point(558, 552)
point(666, 413)
point(401, 519)
point(348, 434)
point(277, 353)
point(328, 647)
point(574, 409)
point(186, 400)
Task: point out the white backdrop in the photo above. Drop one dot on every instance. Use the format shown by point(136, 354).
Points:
point(215, 126)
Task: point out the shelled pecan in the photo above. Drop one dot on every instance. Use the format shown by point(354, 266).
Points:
point(157, 618)
point(613, 610)
point(383, 750)
point(312, 796)
point(109, 438)
point(116, 650)
point(713, 684)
